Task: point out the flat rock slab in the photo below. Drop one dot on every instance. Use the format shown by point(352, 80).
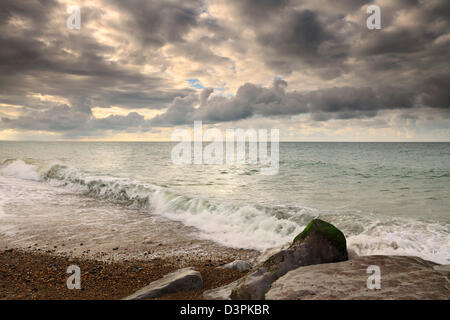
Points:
point(186, 279)
point(240, 265)
point(401, 278)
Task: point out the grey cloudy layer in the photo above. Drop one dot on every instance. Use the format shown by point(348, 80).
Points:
point(357, 73)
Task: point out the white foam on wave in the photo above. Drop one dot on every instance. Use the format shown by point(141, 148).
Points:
point(252, 228)
point(246, 226)
point(230, 225)
point(430, 241)
point(234, 226)
point(20, 169)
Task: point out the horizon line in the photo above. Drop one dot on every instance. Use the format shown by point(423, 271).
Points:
point(166, 141)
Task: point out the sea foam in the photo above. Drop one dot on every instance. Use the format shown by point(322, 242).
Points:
point(248, 226)
point(19, 169)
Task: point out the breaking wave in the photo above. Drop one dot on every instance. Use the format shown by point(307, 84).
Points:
point(249, 226)
point(19, 169)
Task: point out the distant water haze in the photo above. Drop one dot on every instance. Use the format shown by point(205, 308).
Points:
point(388, 198)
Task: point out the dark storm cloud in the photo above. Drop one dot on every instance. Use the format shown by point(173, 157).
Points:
point(436, 91)
point(355, 72)
point(296, 35)
point(251, 100)
point(157, 22)
point(398, 41)
point(36, 11)
point(299, 35)
point(430, 21)
point(292, 36)
point(38, 57)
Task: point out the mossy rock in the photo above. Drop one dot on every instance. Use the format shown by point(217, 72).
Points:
point(327, 230)
point(320, 242)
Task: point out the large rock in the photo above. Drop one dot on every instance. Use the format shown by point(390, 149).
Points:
point(240, 265)
point(319, 242)
point(400, 278)
point(186, 279)
point(221, 293)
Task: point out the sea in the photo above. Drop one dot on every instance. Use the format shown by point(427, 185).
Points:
point(387, 198)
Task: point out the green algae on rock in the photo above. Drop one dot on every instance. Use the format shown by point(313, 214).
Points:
point(327, 230)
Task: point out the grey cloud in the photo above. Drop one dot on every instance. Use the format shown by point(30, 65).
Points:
point(357, 72)
point(157, 22)
point(35, 59)
point(73, 122)
point(251, 100)
point(200, 53)
point(397, 41)
point(299, 35)
point(178, 111)
point(292, 36)
point(120, 123)
point(258, 11)
point(58, 119)
point(204, 95)
point(314, 35)
point(436, 91)
point(411, 39)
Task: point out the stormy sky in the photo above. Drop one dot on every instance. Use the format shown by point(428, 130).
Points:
point(137, 69)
